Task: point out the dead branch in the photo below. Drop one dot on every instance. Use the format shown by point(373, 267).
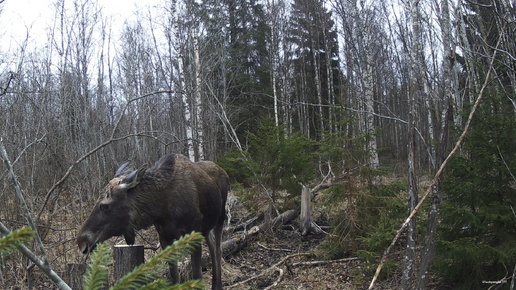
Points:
point(323, 262)
point(19, 194)
point(244, 225)
point(327, 182)
point(268, 270)
point(275, 249)
point(280, 277)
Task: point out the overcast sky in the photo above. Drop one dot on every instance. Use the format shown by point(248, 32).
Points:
point(19, 16)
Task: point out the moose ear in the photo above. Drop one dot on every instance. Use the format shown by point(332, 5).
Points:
point(133, 178)
point(123, 168)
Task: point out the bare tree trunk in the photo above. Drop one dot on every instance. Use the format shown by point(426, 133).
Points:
point(125, 259)
point(188, 113)
point(274, 57)
point(318, 87)
point(410, 255)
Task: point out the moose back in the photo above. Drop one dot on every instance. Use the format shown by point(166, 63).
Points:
point(175, 195)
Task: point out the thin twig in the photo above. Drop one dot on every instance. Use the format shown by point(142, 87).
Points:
point(280, 277)
point(275, 249)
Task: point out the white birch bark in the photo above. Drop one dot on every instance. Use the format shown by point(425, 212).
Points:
point(318, 87)
point(372, 149)
point(187, 112)
point(198, 125)
point(274, 59)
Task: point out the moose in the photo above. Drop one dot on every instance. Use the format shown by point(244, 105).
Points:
point(175, 195)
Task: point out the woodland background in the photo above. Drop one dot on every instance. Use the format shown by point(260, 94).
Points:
point(374, 94)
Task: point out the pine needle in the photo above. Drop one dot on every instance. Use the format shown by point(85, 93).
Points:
point(97, 272)
point(15, 238)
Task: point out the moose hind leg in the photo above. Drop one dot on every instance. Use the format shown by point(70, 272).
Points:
point(213, 239)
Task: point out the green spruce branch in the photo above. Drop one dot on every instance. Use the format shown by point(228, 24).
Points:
point(96, 276)
point(145, 276)
point(12, 240)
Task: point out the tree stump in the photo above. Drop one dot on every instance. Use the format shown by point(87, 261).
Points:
point(307, 224)
point(126, 258)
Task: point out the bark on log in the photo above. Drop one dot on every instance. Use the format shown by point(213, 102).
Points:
point(126, 258)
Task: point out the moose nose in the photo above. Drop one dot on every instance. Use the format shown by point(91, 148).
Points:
point(83, 247)
point(85, 243)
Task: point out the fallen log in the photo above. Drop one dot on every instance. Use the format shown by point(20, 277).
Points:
point(244, 225)
point(235, 244)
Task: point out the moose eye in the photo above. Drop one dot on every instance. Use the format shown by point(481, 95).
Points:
point(104, 206)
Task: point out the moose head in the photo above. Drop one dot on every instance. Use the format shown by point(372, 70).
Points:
point(111, 215)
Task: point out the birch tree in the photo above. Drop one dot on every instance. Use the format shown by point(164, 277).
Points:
point(414, 91)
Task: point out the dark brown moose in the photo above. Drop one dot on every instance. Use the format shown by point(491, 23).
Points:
point(176, 195)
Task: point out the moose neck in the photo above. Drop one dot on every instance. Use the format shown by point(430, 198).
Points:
point(144, 208)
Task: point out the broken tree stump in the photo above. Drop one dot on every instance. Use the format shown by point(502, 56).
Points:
point(306, 223)
point(126, 258)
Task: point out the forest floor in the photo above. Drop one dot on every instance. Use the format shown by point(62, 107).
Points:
point(272, 262)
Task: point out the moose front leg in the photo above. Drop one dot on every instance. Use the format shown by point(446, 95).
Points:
point(196, 263)
point(174, 271)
